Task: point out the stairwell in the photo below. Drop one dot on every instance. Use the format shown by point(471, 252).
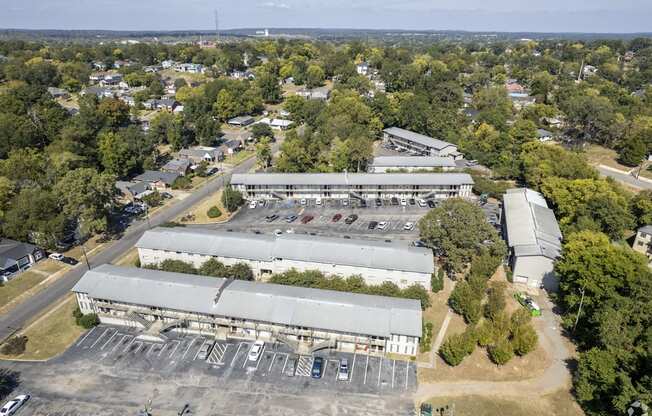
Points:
point(328, 344)
point(284, 340)
point(134, 316)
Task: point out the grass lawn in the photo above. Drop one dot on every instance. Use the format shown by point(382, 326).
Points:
point(238, 157)
point(436, 313)
point(560, 403)
point(19, 285)
point(603, 156)
point(128, 259)
point(200, 211)
point(52, 334)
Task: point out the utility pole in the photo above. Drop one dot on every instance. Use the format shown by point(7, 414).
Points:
point(579, 310)
point(217, 27)
point(83, 247)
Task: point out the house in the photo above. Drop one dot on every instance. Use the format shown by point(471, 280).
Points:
point(100, 66)
point(544, 135)
point(533, 238)
point(128, 99)
point(471, 113)
point(231, 147)
point(513, 87)
point(520, 101)
point(168, 104)
point(375, 261)
point(589, 70)
point(382, 164)
point(467, 99)
point(243, 75)
point(121, 63)
point(303, 318)
point(152, 68)
point(554, 122)
point(99, 92)
point(58, 92)
point(241, 121)
point(294, 186)
point(167, 64)
point(320, 93)
point(178, 109)
point(284, 113)
point(643, 242)
point(201, 154)
point(362, 68)
point(133, 191)
point(157, 179)
point(97, 76)
point(111, 79)
point(419, 144)
point(190, 68)
point(179, 166)
point(16, 256)
point(276, 123)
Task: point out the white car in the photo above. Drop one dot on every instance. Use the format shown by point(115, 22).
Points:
point(253, 204)
point(345, 202)
point(278, 232)
point(12, 406)
point(409, 226)
point(290, 231)
point(303, 201)
point(422, 203)
point(318, 201)
point(403, 202)
point(256, 350)
point(382, 225)
point(56, 256)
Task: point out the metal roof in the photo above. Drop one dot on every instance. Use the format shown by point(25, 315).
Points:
point(157, 176)
point(531, 226)
point(413, 161)
point(11, 251)
point(317, 249)
point(351, 179)
point(418, 138)
point(277, 304)
point(645, 229)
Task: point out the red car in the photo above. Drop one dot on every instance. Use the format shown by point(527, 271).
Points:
point(306, 219)
point(337, 217)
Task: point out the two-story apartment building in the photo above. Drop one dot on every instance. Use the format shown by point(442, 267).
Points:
point(420, 144)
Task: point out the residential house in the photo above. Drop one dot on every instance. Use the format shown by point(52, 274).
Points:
point(16, 256)
point(513, 87)
point(643, 242)
point(520, 101)
point(58, 92)
point(179, 166)
point(152, 68)
point(362, 68)
point(99, 92)
point(128, 99)
point(231, 147)
point(157, 179)
point(97, 76)
point(190, 68)
point(276, 123)
point(243, 75)
point(167, 64)
point(111, 79)
point(544, 135)
point(201, 154)
point(320, 93)
point(241, 121)
point(134, 191)
point(383, 164)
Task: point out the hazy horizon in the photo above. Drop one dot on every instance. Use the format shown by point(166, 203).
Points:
point(595, 16)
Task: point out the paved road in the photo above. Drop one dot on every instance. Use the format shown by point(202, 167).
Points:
point(624, 177)
point(30, 308)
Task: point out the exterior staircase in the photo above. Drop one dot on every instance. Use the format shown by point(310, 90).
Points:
point(356, 195)
point(134, 316)
point(179, 323)
point(284, 340)
point(328, 344)
point(278, 195)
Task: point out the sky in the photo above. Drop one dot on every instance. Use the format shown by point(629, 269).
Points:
point(615, 16)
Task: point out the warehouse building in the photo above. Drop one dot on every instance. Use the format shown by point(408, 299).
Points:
point(352, 185)
point(533, 237)
point(420, 144)
point(383, 164)
point(376, 262)
point(305, 319)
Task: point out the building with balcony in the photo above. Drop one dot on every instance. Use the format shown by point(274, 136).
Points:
point(375, 261)
point(643, 242)
point(419, 144)
point(305, 319)
point(352, 185)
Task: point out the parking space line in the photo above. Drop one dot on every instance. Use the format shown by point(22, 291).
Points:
point(260, 357)
point(174, 349)
point(107, 342)
point(202, 346)
point(365, 370)
point(407, 373)
point(122, 340)
point(100, 337)
point(129, 344)
point(269, 370)
point(380, 370)
point(150, 350)
point(236, 354)
point(393, 371)
point(140, 344)
point(189, 346)
point(352, 367)
point(81, 341)
point(161, 350)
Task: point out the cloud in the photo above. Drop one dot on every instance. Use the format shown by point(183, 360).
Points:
point(275, 5)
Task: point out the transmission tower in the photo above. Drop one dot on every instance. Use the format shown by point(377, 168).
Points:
point(217, 26)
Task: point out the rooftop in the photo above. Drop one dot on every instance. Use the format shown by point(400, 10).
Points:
point(288, 305)
point(12, 250)
point(351, 179)
point(418, 138)
point(157, 176)
point(316, 249)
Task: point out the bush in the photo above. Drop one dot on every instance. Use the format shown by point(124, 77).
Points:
point(77, 313)
point(176, 266)
point(519, 318)
point(182, 182)
point(88, 321)
point(232, 199)
point(426, 339)
point(457, 347)
point(214, 212)
point(496, 300)
point(485, 334)
point(437, 281)
point(501, 353)
point(524, 339)
point(153, 200)
point(466, 301)
point(14, 345)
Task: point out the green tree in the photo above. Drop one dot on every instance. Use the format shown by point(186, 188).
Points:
point(641, 207)
point(114, 111)
point(176, 266)
point(314, 76)
point(633, 152)
point(457, 347)
point(261, 130)
point(232, 199)
point(501, 352)
point(264, 153)
point(268, 84)
point(212, 267)
point(226, 105)
point(541, 161)
point(241, 271)
point(115, 155)
point(524, 339)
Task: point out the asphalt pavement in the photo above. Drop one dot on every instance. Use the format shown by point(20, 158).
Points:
point(24, 312)
point(624, 178)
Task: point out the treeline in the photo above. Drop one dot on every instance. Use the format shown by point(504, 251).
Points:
point(211, 267)
point(354, 284)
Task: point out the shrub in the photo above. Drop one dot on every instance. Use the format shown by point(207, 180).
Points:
point(496, 300)
point(457, 347)
point(77, 313)
point(182, 182)
point(520, 317)
point(524, 339)
point(501, 353)
point(176, 266)
point(426, 339)
point(214, 212)
point(88, 321)
point(437, 281)
point(466, 301)
point(14, 345)
point(154, 199)
point(485, 334)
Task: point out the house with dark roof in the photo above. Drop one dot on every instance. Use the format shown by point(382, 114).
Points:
point(133, 191)
point(201, 154)
point(179, 166)
point(157, 179)
point(16, 256)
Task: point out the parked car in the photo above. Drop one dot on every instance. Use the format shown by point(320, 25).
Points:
point(412, 201)
point(418, 243)
point(431, 203)
point(271, 218)
point(409, 226)
point(379, 202)
point(205, 350)
point(278, 232)
point(291, 218)
point(306, 219)
point(372, 225)
point(317, 367)
point(422, 203)
point(56, 256)
point(343, 374)
point(14, 404)
point(291, 366)
point(382, 225)
point(363, 203)
point(345, 202)
point(211, 171)
point(336, 217)
point(394, 200)
point(403, 202)
point(262, 203)
point(318, 201)
point(253, 204)
point(303, 201)
point(255, 351)
point(351, 219)
point(70, 261)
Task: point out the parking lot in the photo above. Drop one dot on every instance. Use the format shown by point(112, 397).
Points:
point(119, 348)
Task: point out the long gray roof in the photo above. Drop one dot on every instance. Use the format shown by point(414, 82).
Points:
point(418, 138)
point(314, 249)
point(12, 251)
point(351, 179)
point(413, 161)
point(531, 226)
point(277, 304)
